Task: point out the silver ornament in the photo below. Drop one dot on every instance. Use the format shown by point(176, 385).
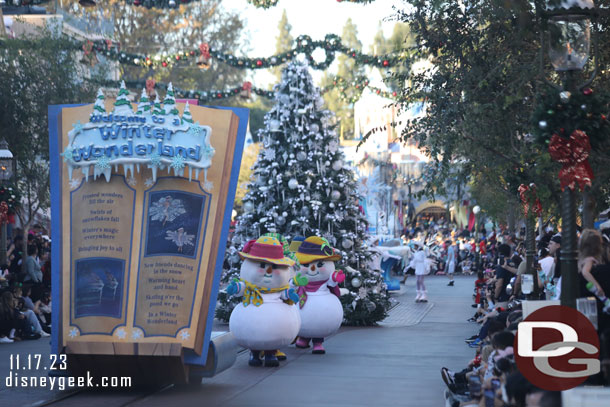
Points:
point(356, 282)
point(347, 244)
point(274, 125)
point(335, 195)
point(337, 165)
point(565, 96)
point(248, 206)
point(301, 156)
point(293, 183)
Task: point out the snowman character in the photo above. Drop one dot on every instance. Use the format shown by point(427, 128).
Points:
point(267, 318)
point(321, 310)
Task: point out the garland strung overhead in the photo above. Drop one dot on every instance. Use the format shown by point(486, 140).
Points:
point(204, 54)
point(359, 84)
point(265, 4)
point(244, 91)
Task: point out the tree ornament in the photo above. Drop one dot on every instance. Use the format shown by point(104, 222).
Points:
point(565, 96)
point(550, 111)
point(337, 165)
point(301, 156)
point(280, 220)
point(587, 91)
point(583, 107)
point(347, 243)
point(543, 124)
point(356, 283)
point(293, 183)
point(335, 195)
point(248, 206)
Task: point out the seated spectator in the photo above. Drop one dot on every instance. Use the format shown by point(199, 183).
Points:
point(44, 308)
point(28, 313)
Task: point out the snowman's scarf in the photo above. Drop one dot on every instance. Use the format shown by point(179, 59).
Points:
point(311, 288)
point(252, 295)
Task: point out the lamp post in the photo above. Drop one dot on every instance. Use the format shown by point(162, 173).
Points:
point(476, 211)
point(6, 165)
point(569, 43)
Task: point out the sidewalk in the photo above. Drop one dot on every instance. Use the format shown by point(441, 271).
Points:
point(394, 364)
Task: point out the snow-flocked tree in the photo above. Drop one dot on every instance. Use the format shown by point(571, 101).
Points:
point(301, 187)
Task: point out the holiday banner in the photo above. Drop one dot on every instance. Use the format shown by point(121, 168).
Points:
point(141, 204)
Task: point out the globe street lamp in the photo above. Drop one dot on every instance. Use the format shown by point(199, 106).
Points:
point(6, 165)
point(568, 25)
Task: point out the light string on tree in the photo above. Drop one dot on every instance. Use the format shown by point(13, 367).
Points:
point(244, 91)
point(204, 54)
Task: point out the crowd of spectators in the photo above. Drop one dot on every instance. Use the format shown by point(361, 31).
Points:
point(25, 287)
point(491, 378)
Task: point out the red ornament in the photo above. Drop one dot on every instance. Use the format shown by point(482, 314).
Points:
point(259, 63)
point(164, 64)
point(192, 53)
point(604, 117)
point(394, 93)
point(219, 95)
point(573, 154)
point(177, 57)
point(587, 91)
point(385, 62)
point(378, 91)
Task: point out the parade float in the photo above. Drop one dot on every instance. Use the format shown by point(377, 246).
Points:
point(142, 196)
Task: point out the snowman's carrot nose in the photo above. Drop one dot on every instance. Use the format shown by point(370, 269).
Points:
point(313, 268)
point(269, 270)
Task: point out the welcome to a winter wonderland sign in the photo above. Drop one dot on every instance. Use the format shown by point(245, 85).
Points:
point(154, 136)
point(138, 233)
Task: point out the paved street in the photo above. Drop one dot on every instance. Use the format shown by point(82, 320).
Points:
point(394, 364)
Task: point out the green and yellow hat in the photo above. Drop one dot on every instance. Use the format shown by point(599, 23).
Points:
point(316, 248)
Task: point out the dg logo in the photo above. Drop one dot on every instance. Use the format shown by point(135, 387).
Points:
point(557, 348)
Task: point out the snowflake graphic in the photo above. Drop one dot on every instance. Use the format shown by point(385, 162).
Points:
point(269, 154)
point(121, 334)
point(67, 155)
point(177, 162)
point(208, 150)
point(317, 196)
point(155, 160)
point(73, 333)
point(166, 209)
point(149, 182)
point(132, 181)
point(136, 334)
point(75, 183)
point(103, 163)
point(208, 185)
point(195, 130)
point(78, 127)
point(184, 335)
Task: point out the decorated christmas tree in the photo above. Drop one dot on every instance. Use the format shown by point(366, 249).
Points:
point(144, 105)
point(157, 109)
point(301, 187)
point(169, 103)
point(99, 107)
point(186, 115)
point(122, 105)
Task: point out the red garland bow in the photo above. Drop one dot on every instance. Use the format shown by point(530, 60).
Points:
point(525, 200)
point(150, 87)
point(89, 50)
point(205, 50)
point(573, 154)
point(247, 86)
point(3, 213)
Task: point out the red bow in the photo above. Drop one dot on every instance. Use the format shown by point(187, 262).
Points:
point(150, 87)
point(89, 53)
point(3, 213)
point(526, 200)
point(248, 246)
point(573, 154)
point(247, 86)
point(205, 50)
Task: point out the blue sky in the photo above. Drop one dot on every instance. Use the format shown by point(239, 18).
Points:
point(315, 18)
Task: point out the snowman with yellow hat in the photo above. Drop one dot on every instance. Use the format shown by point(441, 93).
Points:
point(321, 310)
point(267, 318)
